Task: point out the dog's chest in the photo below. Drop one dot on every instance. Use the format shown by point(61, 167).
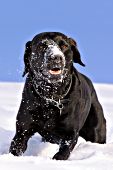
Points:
point(48, 116)
point(45, 116)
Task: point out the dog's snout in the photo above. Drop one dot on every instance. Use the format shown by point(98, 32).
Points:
point(57, 58)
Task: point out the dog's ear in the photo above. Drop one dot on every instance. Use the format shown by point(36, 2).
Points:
point(26, 57)
point(76, 54)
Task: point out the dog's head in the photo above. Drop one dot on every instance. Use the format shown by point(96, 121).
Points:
point(50, 56)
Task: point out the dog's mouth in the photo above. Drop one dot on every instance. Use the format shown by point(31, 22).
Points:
point(55, 71)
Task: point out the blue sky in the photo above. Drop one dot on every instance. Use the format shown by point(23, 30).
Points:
point(89, 22)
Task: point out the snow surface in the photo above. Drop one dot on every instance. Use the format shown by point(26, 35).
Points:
point(85, 156)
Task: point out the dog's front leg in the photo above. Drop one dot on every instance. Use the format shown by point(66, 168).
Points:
point(66, 148)
point(19, 142)
point(24, 131)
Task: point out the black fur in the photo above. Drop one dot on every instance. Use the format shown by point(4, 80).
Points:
point(58, 110)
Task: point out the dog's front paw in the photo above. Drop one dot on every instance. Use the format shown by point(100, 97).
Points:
point(61, 155)
point(17, 149)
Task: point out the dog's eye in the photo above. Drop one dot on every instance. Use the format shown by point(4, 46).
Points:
point(64, 46)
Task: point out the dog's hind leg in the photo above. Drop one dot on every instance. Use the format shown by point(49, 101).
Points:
point(94, 129)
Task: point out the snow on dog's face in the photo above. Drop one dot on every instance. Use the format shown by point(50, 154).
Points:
point(50, 56)
point(48, 61)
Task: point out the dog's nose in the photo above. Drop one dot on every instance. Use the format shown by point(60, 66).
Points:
point(57, 58)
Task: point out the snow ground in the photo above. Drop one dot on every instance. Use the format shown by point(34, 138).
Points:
point(86, 155)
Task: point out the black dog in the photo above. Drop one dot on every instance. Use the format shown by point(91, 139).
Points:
point(58, 102)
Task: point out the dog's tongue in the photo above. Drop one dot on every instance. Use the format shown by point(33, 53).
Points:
point(55, 72)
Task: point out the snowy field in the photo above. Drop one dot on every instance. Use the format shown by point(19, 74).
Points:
point(85, 156)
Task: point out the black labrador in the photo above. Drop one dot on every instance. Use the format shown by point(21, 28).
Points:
point(58, 102)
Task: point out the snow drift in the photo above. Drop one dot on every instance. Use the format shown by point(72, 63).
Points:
point(86, 155)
